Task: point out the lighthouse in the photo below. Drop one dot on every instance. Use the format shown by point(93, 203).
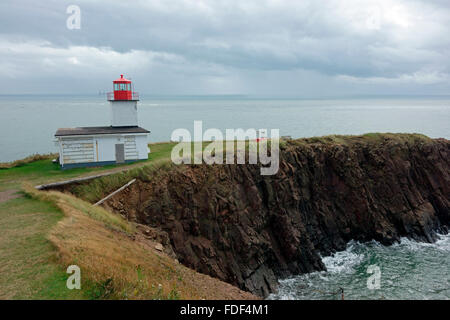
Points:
point(121, 142)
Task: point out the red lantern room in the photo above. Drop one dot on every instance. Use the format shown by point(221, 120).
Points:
point(122, 90)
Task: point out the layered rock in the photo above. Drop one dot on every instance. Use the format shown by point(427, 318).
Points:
point(230, 222)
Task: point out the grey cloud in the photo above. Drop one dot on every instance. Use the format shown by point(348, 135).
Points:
point(211, 40)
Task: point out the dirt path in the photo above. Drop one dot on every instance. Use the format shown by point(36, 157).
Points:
point(8, 195)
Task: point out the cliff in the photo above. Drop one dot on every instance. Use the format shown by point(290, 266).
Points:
point(230, 222)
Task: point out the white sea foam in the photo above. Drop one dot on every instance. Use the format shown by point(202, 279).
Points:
point(443, 243)
point(402, 264)
point(343, 261)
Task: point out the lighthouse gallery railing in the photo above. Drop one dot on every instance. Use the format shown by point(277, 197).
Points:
point(110, 96)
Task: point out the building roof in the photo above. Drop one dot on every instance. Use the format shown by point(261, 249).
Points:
point(122, 79)
point(98, 130)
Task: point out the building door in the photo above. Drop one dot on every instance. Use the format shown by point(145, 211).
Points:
point(120, 153)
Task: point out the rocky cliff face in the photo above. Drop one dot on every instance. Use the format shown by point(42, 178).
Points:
point(230, 222)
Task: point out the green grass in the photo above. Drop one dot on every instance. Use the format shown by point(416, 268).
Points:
point(160, 150)
point(29, 159)
point(98, 213)
point(365, 138)
point(27, 258)
point(36, 172)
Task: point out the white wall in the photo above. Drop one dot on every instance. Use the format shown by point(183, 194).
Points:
point(135, 147)
point(107, 147)
point(76, 150)
point(123, 113)
point(142, 146)
point(102, 148)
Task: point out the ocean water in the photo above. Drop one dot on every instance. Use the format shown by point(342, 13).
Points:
point(28, 122)
point(408, 270)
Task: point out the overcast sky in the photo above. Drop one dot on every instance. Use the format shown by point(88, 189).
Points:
point(269, 47)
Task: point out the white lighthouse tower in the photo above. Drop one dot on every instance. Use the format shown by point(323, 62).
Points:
point(123, 103)
point(123, 141)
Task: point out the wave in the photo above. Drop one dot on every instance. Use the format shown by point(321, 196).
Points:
point(343, 261)
point(443, 243)
point(409, 270)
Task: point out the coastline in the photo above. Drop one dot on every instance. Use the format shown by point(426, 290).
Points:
point(341, 172)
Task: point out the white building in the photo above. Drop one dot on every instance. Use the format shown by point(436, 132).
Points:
point(123, 141)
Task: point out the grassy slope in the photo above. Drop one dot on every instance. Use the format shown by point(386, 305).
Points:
point(27, 258)
point(28, 262)
point(117, 263)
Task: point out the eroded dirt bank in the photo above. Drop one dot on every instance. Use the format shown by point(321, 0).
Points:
point(230, 222)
